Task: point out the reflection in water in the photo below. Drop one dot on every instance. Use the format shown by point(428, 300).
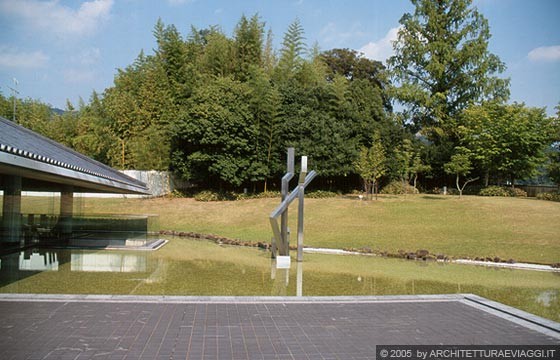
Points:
point(46, 261)
point(80, 260)
point(193, 267)
point(299, 287)
point(546, 298)
point(111, 262)
point(281, 279)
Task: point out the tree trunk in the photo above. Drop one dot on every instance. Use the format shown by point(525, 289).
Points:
point(268, 157)
point(122, 154)
point(458, 187)
point(486, 177)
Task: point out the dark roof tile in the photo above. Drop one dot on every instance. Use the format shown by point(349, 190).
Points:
point(23, 142)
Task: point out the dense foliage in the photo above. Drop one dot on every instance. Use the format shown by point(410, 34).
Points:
point(502, 191)
point(221, 110)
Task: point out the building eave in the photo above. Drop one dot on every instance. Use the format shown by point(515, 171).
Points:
point(11, 164)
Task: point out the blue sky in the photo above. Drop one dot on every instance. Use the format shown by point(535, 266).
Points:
point(60, 49)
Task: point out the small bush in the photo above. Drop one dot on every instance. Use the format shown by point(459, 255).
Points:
point(207, 195)
point(549, 196)
point(473, 189)
point(502, 191)
point(519, 192)
point(435, 191)
point(453, 191)
point(176, 194)
point(398, 188)
point(265, 195)
point(320, 194)
point(494, 191)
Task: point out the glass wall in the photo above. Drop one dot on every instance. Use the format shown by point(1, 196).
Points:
point(39, 220)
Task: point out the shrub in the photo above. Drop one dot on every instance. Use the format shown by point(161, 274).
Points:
point(265, 195)
point(207, 195)
point(549, 196)
point(502, 191)
point(320, 194)
point(397, 187)
point(436, 191)
point(176, 194)
point(473, 190)
point(519, 192)
point(494, 191)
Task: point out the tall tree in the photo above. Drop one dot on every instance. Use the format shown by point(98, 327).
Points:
point(264, 104)
point(173, 55)
point(93, 136)
point(371, 165)
point(553, 167)
point(442, 64)
point(269, 56)
point(354, 66)
point(404, 155)
point(248, 40)
point(507, 141)
point(292, 51)
point(217, 136)
point(140, 107)
point(218, 57)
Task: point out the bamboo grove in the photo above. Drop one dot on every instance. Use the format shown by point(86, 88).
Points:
point(220, 110)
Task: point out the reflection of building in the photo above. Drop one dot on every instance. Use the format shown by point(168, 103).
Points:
point(31, 162)
point(38, 262)
point(18, 265)
point(108, 262)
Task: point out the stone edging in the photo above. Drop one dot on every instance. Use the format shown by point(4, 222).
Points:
point(419, 255)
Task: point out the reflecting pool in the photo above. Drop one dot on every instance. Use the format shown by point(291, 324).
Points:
point(197, 267)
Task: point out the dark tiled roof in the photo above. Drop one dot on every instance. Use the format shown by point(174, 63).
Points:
point(17, 140)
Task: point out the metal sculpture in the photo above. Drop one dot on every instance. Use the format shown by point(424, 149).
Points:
point(281, 240)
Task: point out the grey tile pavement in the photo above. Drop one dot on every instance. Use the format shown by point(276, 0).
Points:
point(66, 327)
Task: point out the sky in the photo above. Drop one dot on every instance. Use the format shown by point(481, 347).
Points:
point(54, 50)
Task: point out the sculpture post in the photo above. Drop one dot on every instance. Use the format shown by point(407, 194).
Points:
point(280, 240)
point(301, 196)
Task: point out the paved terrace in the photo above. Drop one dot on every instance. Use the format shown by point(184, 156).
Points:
point(130, 327)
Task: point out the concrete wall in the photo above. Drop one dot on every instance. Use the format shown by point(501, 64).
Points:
point(160, 183)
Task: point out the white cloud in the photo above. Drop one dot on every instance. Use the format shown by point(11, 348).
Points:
point(78, 76)
point(331, 34)
point(53, 17)
point(14, 59)
point(179, 2)
point(89, 56)
point(545, 53)
point(382, 49)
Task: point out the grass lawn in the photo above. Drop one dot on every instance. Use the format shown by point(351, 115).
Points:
point(520, 228)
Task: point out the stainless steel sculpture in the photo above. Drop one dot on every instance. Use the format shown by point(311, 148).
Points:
point(281, 239)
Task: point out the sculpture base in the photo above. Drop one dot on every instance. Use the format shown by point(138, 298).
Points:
point(283, 262)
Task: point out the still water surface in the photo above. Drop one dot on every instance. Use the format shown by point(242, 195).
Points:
point(195, 267)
